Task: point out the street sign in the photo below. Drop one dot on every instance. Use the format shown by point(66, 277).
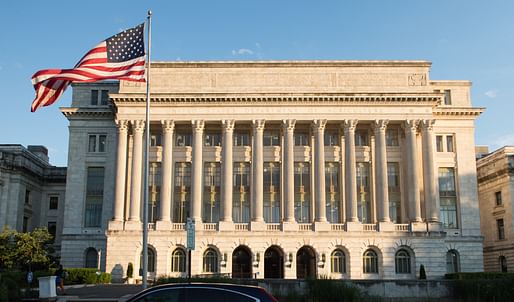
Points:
point(190, 229)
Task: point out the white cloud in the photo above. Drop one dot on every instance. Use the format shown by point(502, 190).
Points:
point(491, 93)
point(242, 51)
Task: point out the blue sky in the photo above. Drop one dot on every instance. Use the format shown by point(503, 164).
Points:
point(464, 40)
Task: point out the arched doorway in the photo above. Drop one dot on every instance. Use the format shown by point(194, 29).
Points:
point(273, 263)
point(241, 263)
point(305, 263)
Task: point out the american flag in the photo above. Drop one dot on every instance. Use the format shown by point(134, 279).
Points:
point(121, 57)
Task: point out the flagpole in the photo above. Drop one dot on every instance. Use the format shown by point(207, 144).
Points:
point(147, 152)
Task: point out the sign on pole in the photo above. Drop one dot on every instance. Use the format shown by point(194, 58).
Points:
point(190, 229)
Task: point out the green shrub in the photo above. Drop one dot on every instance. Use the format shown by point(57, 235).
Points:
point(332, 290)
point(130, 270)
point(482, 286)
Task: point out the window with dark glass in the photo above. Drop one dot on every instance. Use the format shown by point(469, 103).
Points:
point(301, 138)
point(241, 192)
point(452, 261)
point(104, 98)
point(361, 138)
point(332, 194)
point(53, 202)
point(363, 192)
point(97, 143)
point(393, 187)
point(447, 97)
point(183, 139)
point(91, 258)
point(155, 139)
point(271, 138)
point(242, 138)
point(178, 261)
point(25, 226)
point(370, 262)
point(449, 143)
point(302, 194)
point(439, 143)
point(210, 261)
point(402, 262)
point(94, 97)
point(182, 192)
point(501, 229)
point(94, 197)
point(503, 264)
point(154, 190)
point(211, 196)
point(392, 138)
point(52, 229)
point(212, 139)
point(338, 262)
point(498, 198)
point(331, 138)
point(151, 260)
point(27, 196)
point(448, 197)
point(271, 186)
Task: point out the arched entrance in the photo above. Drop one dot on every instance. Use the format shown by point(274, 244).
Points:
point(273, 263)
point(241, 263)
point(305, 263)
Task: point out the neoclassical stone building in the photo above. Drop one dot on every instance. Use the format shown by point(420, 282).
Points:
point(293, 169)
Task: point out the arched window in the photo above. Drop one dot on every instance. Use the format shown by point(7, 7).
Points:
point(402, 262)
point(178, 261)
point(452, 261)
point(91, 258)
point(210, 261)
point(370, 262)
point(338, 262)
point(503, 264)
point(151, 260)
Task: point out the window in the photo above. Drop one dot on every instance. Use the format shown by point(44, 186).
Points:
point(154, 190)
point(363, 193)
point(331, 138)
point(210, 261)
point(151, 260)
point(271, 138)
point(447, 97)
point(302, 197)
point(25, 227)
point(503, 264)
point(155, 139)
point(393, 187)
point(52, 229)
point(338, 262)
point(211, 196)
point(183, 139)
point(370, 262)
point(392, 138)
point(94, 97)
point(439, 143)
point(27, 196)
point(271, 186)
point(361, 138)
point(501, 229)
point(332, 192)
point(449, 143)
point(94, 197)
point(498, 198)
point(402, 262)
point(241, 193)
point(301, 138)
point(452, 261)
point(97, 142)
point(91, 258)
point(510, 160)
point(53, 203)
point(212, 139)
point(241, 138)
point(104, 97)
point(448, 197)
point(178, 261)
point(182, 192)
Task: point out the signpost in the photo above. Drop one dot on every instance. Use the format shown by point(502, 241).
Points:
point(190, 244)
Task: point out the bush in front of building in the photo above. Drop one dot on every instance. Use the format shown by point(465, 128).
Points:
point(482, 286)
point(86, 276)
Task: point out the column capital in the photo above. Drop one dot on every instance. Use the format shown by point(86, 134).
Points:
point(411, 125)
point(350, 124)
point(319, 125)
point(427, 125)
point(122, 125)
point(258, 125)
point(380, 125)
point(138, 125)
point(289, 124)
point(228, 125)
point(168, 125)
point(198, 125)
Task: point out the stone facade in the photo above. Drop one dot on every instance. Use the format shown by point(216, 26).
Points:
point(333, 169)
point(495, 190)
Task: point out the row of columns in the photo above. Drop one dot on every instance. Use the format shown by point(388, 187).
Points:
point(349, 126)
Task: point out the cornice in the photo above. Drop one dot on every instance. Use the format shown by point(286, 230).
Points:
point(458, 111)
point(74, 112)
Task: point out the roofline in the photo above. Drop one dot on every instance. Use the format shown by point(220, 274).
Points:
point(295, 63)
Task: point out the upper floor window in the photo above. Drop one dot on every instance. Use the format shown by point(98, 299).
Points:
point(447, 97)
point(498, 198)
point(501, 229)
point(361, 138)
point(510, 160)
point(449, 143)
point(439, 143)
point(271, 138)
point(97, 143)
point(448, 197)
point(155, 139)
point(301, 139)
point(331, 138)
point(392, 138)
point(27, 196)
point(183, 139)
point(445, 143)
point(212, 139)
point(53, 203)
point(99, 97)
point(94, 197)
point(241, 138)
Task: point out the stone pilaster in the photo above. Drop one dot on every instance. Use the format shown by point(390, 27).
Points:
point(350, 171)
point(413, 198)
point(197, 169)
point(164, 221)
point(121, 176)
point(319, 168)
point(257, 205)
point(382, 194)
point(226, 174)
point(288, 174)
point(138, 128)
point(429, 175)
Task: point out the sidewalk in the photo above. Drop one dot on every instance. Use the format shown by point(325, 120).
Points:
point(100, 292)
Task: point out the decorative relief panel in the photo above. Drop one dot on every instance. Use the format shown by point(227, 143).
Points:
point(417, 79)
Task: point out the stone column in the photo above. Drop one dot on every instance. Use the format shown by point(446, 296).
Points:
point(138, 128)
point(429, 175)
point(226, 174)
point(121, 176)
point(288, 126)
point(319, 168)
point(164, 221)
point(412, 171)
point(257, 205)
point(197, 171)
point(382, 194)
point(350, 171)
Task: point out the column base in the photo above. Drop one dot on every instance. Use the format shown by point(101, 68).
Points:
point(163, 225)
point(322, 226)
point(386, 226)
point(289, 226)
point(225, 226)
point(133, 226)
point(418, 227)
point(115, 225)
point(257, 226)
point(353, 226)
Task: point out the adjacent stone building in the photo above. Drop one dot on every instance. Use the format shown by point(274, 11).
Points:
point(495, 188)
point(343, 169)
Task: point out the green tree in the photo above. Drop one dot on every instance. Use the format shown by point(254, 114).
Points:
point(19, 250)
point(7, 248)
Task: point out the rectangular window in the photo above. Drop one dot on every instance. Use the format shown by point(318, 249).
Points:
point(331, 138)
point(361, 138)
point(510, 160)
point(25, 226)
point(271, 138)
point(154, 190)
point(501, 229)
point(363, 193)
point(27, 196)
point(182, 192)
point(94, 197)
point(332, 192)
point(241, 193)
point(94, 97)
point(212, 139)
point(393, 183)
point(439, 143)
point(241, 138)
point(155, 140)
point(302, 194)
point(53, 203)
point(448, 197)
point(449, 143)
point(392, 138)
point(104, 99)
point(498, 198)
point(447, 97)
point(301, 139)
point(183, 139)
point(97, 143)
point(52, 229)
point(211, 196)
point(271, 182)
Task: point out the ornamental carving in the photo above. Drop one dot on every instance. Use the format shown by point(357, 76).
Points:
point(380, 125)
point(122, 125)
point(417, 79)
point(427, 125)
point(258, 125)
point(167, 125)
point(350, 125)
point(319, 125)
point(198, 125)
point(228, 125)
point(411, 125)
point(138, 125)
point(289, 125)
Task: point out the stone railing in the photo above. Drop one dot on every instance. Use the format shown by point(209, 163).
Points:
point(178, 226)
point(304, 227)
point(210, 226)
point(338, 227)
point(241, 226)
point(404, 227)
point(273, 227)
point(369, 227)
